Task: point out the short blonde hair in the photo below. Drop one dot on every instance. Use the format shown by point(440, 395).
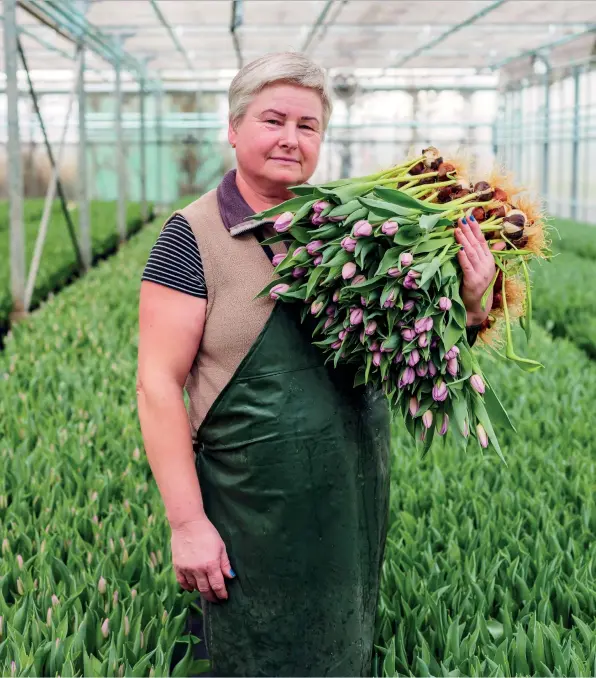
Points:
point(290, 67)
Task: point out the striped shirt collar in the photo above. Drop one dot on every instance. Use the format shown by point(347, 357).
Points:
point(235, 212)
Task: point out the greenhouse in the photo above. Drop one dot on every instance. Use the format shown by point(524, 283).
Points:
point(116, 114)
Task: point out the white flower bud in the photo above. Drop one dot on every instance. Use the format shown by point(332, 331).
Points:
point(105, 628)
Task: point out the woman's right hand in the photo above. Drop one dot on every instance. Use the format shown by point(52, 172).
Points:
point(200, 559)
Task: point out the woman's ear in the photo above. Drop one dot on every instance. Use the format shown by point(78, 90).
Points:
point(232, 135)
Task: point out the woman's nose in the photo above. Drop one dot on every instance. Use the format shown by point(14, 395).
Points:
point(289, 136)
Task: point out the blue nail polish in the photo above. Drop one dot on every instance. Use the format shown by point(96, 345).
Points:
point(472, 218)
point(232, 573)
point(464, 220)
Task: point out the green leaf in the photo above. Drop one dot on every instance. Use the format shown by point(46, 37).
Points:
point(430, 271)
point(390, 260)
point(432, 245)
point(402, 199)
point(342, 257)
point(495, 408)
point(385, 209)
point(429, 221)
point(407, 235)
point(482, 415)
point(292, 205)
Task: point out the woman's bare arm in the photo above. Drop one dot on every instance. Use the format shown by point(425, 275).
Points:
point(170, 331)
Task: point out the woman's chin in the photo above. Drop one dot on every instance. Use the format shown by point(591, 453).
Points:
point(288, 175)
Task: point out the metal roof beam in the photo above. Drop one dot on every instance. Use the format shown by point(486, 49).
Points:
point(168, 26)
point(235, 22)
point(443, 36)
point(536, 50)
point(317, 24)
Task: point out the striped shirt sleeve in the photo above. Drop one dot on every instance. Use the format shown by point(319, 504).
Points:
point(175, 260)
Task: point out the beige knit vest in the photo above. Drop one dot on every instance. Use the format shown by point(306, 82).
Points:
point(236, 269)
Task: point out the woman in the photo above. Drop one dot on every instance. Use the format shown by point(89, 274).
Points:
point(289, 479)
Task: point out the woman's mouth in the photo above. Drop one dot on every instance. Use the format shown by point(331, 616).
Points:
point(289, 161)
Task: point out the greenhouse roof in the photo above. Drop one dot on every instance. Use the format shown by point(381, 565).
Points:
point(199, 40)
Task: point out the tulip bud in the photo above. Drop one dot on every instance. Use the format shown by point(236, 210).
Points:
point(349, 244)
point(440, 391)
point(299, 272)
point(390, 301)
point(394, 272)
point(335, 345)
point(420, 326)
point(452, 367)
point(358, 279)
point(13, 668)
point(432, 369)
point(20, 561)
point(407, 377)
point(328, 323)
point(314, 246)
point(105, 628)
point(335, 298)
point(320, 206)
point(377, 357)
point(49, 616)
point(317, 220)
point(389, 228)
point(277, 290)
point(362, 229)
point(410, 283)
point(343, 334)
point(316, 307)
point(413, 274)
point(398, 358)
point(427, 419)
point(356, 316)
point(444, 425)
point(477, 384)
point(482, 435)
point(5, 546)
point(133, 593)
point(434, 342)
point(423, 340)
point(406, 259)
point(282, 223)
point(408, 334)
point(363, 302)
point(374, 346)
point(422, 369)
point(115, 595)
point(409, 305)
point(278, 258)
point(414, 358)
point(331, 309)
point(101, 585)
point(318, 260)
point(371, 327)
point(429, 324)
point(445, 303)
point(414, 405)
point(466, 431)
point(453, 352)
point(55, 600)
point(349, 270)
point(126, 625)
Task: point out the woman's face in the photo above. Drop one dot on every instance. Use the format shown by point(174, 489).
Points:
point(278, 139)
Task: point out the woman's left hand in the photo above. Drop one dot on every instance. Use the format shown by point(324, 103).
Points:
point(478, 265)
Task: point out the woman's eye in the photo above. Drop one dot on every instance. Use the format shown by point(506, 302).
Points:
point(274, 122)
point(307, 127)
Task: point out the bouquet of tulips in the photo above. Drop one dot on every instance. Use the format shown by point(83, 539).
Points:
point(374, 260)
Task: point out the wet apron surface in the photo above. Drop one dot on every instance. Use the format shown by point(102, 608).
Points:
point(293, 464)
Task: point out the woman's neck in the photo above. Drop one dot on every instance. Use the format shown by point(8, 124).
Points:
point(257, 198)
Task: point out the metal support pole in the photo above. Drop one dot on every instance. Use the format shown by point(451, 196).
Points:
point(15, 174)
point(575, 146)
point(143, 154)
point(120, 157)
point(160, 194)
point(84, 210)
point(546, 132)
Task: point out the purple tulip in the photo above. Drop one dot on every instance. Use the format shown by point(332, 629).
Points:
point(371, 328)
point(374, 346)
point(277, 259)
point(348, 271)
point(298, 250)
point(420, 325)
point(477, 384)
point(408, 334)
point(377, 357)
point(432, 369)
point(317, 220)
point(444, 425)
point(328, 323)
point(429, 324)
point(343, 334)
point(318, 260)
point(316, 307)
point(349, 244)
point(427, 419)
point(321, 205)
point(482, 435)
point(410, 283)
point(414, 405)
point(398, 358)
point(389, 228)
point(406, 259)
point(422, 369)
point(423, 340)
point(335, 219)
point(414, 358)
point(413, 274)
point(299, 272)
point(440, 391)
point(394, 272)
point(409, 305)
point(407, 377)
point(356, 316)
point(453, 352)
point(335, 345)
point(390, 301)
point(314, 246)
point(401, 324)
point(445, 303)
point(331, 309)
point(282, 288)
point(362, 229)
point(452, 367)
point(336, 296)
point(357, 280)
point(283, 221)
point(363, 302)
point(434, 342)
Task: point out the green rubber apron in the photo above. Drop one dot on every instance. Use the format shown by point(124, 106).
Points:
point(293, 464)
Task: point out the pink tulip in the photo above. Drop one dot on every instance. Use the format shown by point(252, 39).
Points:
point(335, 345)
point(343, 334)
point(432, 369)
point(349, 244)
point(477, 384)
point(407, 377)
point(356, 316)
point(406, 259)
point(377, 357)
point(371, 327)
point(408, 334)
point(389, 228)
point(363, 302)
point(427, 419)
point(414, 358)
point(282, 288)
point(328, 323)
point(422, 369)
point(453, 352)
point(398, 358)
point(362, 229)
point(374, 346)
point(316, 307)
point(414, 405)
point(420, 325)
point(282, 223)
point(394, 272)
point(314, 246)
point(318, 260)
point(452, 367)
point(331, 309)
point(482, 435)
point(317, 220)
point(357, 280)
point(410, 283)
point(445, 303)
point(277, 259)
point(423, 340)
point(440, 391)
point(444, 425)
point(299, 272)
point(348, 271)
point(321, 205)
point(336, 296)
point(409, 305)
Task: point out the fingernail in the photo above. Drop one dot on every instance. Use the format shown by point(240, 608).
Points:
point(464, 220)
point(472, 218)
point(232, 573)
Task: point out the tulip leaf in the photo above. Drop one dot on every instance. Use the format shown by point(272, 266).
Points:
point(495, 407)
point(390, 260)
point(460, 412)
point(385, 209)
point(301, 234)
point(342, 257)
point(432, 245)
point(355, 216)
point(313, 279)
point(484, 419)
point(288, 279)
point(345, 210)
point(430, 271)
point(429, 221)
point(407, 235)
point(304, 189)
point(402, 199)
point(452, 334)
point(292, 205)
